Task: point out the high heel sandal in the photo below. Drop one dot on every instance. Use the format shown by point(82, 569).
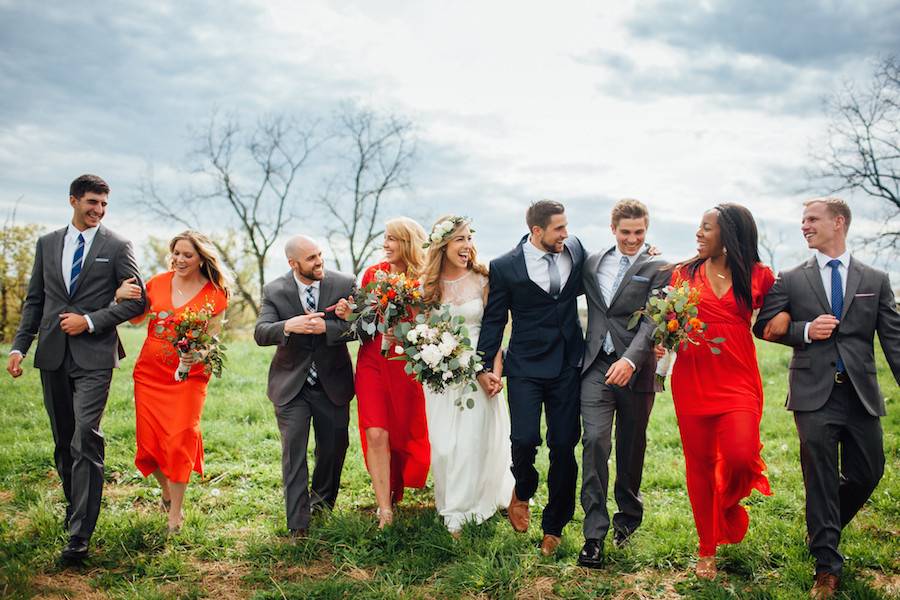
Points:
point(385, 517)
point(706, 568)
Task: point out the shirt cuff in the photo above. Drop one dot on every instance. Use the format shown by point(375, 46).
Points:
point(19, 352)
point(806, 333)
point(629, 361)
point(90, 323)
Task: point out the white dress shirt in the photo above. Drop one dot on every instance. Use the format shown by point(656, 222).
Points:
point(301, 288)
point(607, 270)
point(825, 273)
point(539, 269)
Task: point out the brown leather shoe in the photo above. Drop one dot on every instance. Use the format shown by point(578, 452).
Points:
point(826, 586)
point(549, 544)
point(518, 513)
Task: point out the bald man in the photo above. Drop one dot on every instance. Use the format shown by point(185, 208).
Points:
point(310, 378)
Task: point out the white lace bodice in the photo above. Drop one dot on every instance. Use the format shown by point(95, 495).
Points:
point(465, 298)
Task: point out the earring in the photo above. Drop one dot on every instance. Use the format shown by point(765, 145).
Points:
point(725, 251)
point(202, 264)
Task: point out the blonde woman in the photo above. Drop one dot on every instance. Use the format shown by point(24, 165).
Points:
point(470, 451)
point(167, 412)
point(390, 403)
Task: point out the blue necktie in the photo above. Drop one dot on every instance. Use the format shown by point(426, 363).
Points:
point(837, 299)
point(313, 376)
point(77, 260)
point(624, 263)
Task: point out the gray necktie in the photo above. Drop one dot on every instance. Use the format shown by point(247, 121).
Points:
point(553, 271)
point(313, 376)
point(624, 263)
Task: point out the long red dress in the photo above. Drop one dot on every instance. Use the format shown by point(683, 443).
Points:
point(718, 401)
point(167, 412)
point(390, 399)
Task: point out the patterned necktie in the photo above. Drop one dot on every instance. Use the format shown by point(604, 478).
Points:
point(313, 376)
point(553, 270)
point(77, 261)
point(624, 263)
point(837, 299)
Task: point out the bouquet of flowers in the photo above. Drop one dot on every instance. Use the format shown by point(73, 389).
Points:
point(439, 353)
point(190, 336)
point(673, 309)
point(384, 303)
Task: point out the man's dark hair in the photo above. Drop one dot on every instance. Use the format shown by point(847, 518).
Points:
point(540, 213)
point(88, 183)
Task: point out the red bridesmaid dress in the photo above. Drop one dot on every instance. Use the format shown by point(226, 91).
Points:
point(167, 412)
point(718, 401)
point(390, 399)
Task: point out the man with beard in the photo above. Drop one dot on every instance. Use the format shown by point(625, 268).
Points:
point(310, 378)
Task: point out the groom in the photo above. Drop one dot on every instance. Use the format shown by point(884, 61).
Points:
point(538, 281)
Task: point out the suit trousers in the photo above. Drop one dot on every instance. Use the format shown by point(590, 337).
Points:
point(600, 405)
point(842, 457)
point(330, 424)
point(75, 399)
point(559, 398)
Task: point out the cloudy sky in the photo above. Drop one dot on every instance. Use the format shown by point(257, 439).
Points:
point(682, 105)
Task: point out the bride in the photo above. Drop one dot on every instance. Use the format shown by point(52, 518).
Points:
point(470, 450)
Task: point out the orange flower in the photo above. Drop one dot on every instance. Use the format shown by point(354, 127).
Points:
point(384, 300)
point(672, 325)
point(696, 323)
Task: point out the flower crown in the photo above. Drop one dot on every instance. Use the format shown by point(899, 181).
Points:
point(442, 230)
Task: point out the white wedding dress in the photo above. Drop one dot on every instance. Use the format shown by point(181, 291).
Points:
point(470, 448)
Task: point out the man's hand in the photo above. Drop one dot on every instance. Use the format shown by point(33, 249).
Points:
point(72, 324)
point(778, 326)
point(490, 383)
point(309, 324)
point(822, 327)
point(653, 251)
point(14, 365)
point(619, 373)
point(344, 307)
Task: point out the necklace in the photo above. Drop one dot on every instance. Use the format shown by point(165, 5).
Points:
point(719, 275)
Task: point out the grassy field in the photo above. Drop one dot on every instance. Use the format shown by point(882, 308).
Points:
point(233, 543)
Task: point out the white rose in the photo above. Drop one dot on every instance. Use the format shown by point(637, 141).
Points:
point(465, 359)
point(436, 237)
point(478, 367)
point(398, 350)
point(412, 336)
point(447, 226)
point(431, 355)
point(447, 375)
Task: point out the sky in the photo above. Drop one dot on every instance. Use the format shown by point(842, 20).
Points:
point(681, 105)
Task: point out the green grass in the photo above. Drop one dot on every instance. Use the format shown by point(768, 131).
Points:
point(233, 543)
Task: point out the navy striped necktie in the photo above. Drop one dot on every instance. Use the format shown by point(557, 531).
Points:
point(313, 376)
point(77, 261)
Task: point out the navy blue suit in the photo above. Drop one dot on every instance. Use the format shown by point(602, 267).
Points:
point(542, 366)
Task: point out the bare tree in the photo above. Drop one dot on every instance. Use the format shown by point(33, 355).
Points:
point(248, 187)
point(376, 155)
point(863, 148)
point(770, 239)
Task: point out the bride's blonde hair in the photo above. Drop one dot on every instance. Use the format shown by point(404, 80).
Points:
point(436, 254)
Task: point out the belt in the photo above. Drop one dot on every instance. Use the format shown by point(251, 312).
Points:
point(841, 377)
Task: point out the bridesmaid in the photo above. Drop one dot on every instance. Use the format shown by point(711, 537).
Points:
point(167, 412)
point(390, 403)
point(719, 398)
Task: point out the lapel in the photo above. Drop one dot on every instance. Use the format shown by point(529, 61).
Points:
point(292, 295)
point(570, 246)
point(100, 239)
point(518, 261)
point(326, 291)
point(54, 260)
point(854, 276)
point(641, 258)
point(591, 270)
point(815, 280)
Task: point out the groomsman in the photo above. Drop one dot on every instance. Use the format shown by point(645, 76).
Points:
point(618, 378)
point(310, 378)
point(834, 305)
point(69, 307)
point(539, 281)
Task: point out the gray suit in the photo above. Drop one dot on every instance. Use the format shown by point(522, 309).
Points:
point(631, 405)
point(76, 370)
point(326, 404)
point(835, 418)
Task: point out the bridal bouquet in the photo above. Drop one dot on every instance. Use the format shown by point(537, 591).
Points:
point(673, 309)
point(189, 333)
point(439, 353)
point(384, 303)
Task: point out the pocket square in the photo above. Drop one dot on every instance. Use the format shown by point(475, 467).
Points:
point(870, 295)
point(640, 278)
point(101, 259)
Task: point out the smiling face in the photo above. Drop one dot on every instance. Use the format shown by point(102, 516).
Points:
point(709, 236)
point(89, 210)
point(552, 237)
point(459, 247)
point(822, 229)
point(393, 251)
point(307, 262)
point(630, 234)
point(185, 259)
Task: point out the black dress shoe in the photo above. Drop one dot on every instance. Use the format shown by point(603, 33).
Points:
point(620, 538)
point(591, 555)
point(76, 549)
